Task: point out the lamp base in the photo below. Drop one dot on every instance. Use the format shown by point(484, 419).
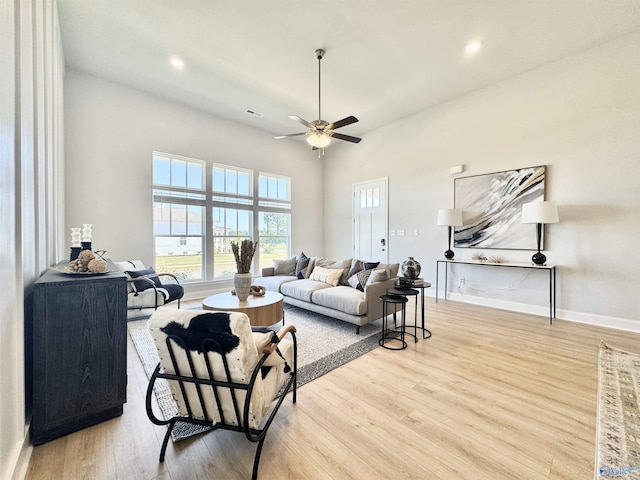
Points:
point(539, 258)
point(448, 254)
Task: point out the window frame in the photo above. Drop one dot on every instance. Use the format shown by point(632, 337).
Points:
point(211, 196)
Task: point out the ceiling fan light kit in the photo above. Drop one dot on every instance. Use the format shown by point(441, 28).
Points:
point(318, 139)
point(321, 132)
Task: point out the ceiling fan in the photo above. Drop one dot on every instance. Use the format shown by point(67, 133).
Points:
point(320, 131)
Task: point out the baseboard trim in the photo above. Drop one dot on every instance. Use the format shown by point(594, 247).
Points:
point(22, 460)
point(543, 311)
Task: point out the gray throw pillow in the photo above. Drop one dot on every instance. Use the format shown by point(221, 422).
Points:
point(285, 267)
point(302, 265)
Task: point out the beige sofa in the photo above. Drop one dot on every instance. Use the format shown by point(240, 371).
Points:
point(338, 289)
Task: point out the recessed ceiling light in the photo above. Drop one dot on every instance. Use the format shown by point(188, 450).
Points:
point(473, 46)
point(176, 62)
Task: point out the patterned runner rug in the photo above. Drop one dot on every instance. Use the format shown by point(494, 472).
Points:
point(618, 427)
point(324, 343)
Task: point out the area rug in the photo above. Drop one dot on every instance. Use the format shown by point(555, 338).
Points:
point(618, 424)
point(324, 343)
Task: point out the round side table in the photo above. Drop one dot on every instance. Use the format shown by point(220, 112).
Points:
point(387, 334)
point(426, 333)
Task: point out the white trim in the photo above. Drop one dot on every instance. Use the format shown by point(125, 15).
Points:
point(543, 311)
point(22, 460)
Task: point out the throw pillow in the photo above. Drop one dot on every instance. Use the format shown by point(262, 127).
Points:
point(356, 266)
point(378, 275)
point(285, 267)
point(326, 275)
point(263, 339)
point(359, 280)
point(345, 265)
point(370, 265)
point(302, 265)
point(141, 285)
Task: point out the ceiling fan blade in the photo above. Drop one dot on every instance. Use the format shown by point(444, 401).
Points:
point(342, 123)
point(348, 138)
point(290, 135)
point(301, 120)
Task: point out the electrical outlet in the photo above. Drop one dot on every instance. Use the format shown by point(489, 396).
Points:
point(462, 280)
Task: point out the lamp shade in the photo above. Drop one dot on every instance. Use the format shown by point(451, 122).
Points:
point(318, 139)
point(540, 212)
point(450, 217)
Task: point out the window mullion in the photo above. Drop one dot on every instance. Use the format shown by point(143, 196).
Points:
point(208, 232)
point(256, 221)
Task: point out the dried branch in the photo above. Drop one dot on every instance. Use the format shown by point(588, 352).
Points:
point(243, 254)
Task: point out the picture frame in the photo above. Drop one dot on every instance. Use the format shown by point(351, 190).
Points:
point(492, 208)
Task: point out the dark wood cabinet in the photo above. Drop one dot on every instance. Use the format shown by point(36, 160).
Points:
point(79, 351)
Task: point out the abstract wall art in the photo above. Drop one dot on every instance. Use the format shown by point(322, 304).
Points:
point(492, 208)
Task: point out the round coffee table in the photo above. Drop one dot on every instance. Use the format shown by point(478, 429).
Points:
point(262, 311)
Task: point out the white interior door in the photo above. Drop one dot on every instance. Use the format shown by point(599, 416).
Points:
point(370, 220)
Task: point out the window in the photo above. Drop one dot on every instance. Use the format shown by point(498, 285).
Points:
point(178, 216)
point(274, 222)
point(195, 220)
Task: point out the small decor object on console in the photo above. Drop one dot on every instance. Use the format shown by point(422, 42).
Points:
point(243, 254)
point(539, 213)
point(76, 248)
point(479, 257)
point(81, 264)
point(86, 236)
point(97, 265)
point(410, 268)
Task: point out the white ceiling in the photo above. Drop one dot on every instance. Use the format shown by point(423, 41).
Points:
point(385, 59)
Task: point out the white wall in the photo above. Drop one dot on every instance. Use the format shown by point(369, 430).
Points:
point(31, 80)
point(581, 117)
point(112, 131)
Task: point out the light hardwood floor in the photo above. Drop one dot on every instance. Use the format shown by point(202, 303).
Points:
point(493, 394)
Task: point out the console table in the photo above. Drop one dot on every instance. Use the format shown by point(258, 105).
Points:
point(79, 351)
point(549, 268)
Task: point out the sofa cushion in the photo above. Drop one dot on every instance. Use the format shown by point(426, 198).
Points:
point(302, 289)
point(273, 284)
point(345, 299)
point(327, 275)
point(285, 267)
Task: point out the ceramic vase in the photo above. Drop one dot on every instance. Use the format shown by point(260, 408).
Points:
point(242, 285)
point(410, 268)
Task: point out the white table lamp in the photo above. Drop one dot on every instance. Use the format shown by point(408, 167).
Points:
point(539, 213)
point(449, 217)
